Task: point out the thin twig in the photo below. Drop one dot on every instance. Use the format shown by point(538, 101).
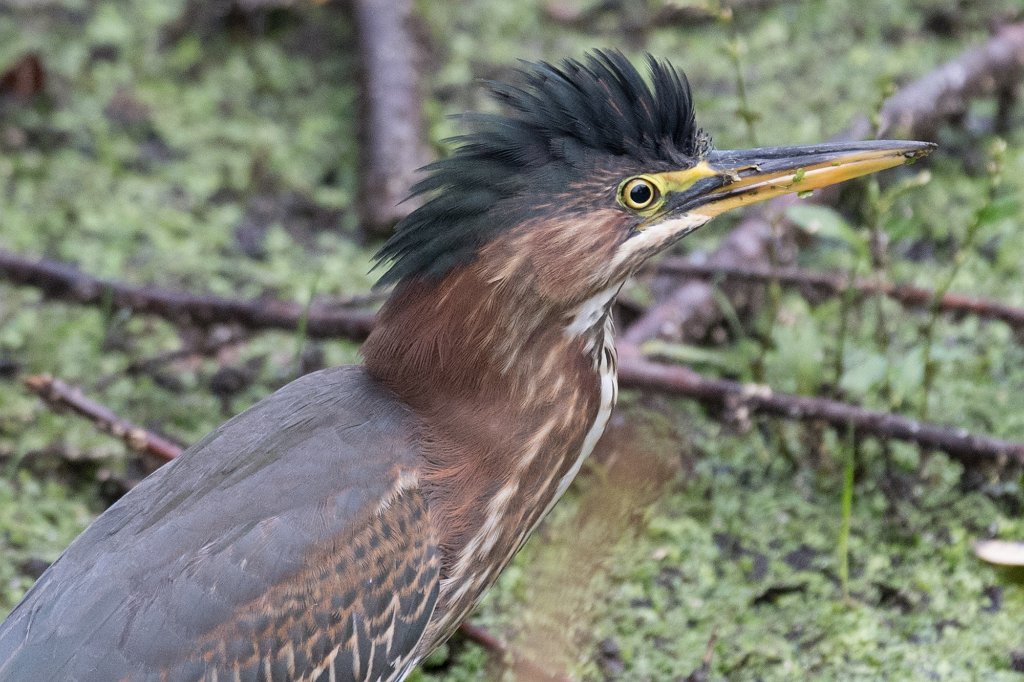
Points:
point(735, 49)
point(636, 371)
point(65, 282)
point(60, 395)
point(205, 347)
point(849, 450)
point(498, 648)
point(484, 638)
point(702, 672)
point(671, 13)
point(824, 284)
point(963, 248)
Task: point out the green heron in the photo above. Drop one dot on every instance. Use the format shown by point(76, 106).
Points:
point(345, 526)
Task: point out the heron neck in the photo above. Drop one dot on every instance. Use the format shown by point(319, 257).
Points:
point(501, 388)
point(509, 404)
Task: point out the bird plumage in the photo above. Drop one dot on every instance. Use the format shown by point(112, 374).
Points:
point(292, 540)
point(344, 526)
point(561, 124)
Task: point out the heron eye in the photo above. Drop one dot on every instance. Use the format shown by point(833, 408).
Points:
point(638, 194)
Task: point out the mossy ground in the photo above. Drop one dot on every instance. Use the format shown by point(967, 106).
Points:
point(178, 149)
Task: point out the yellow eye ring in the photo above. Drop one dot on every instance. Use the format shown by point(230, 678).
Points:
point(638, 194)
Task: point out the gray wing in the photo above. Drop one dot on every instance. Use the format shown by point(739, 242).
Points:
point(291, 543)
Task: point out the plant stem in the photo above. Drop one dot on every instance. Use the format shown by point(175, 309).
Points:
point(300, 329)
point(849, 449)
point(845, 306)
point(929, 369)
point(734, 51)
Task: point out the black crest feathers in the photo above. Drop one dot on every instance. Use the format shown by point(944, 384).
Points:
point(561, 122)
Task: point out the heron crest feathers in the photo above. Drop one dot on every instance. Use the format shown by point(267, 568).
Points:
point(561, 124)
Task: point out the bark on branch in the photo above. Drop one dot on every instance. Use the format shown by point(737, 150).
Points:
point(392, 147)
point(60, 395)
point(636, 371)
point(824, 284)
point(61, 281)
point(922, 107)
point(685, 15)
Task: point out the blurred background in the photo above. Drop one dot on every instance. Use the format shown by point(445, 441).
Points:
point(191, 194)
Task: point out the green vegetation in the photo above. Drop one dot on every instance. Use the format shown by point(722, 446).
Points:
point(178, 149)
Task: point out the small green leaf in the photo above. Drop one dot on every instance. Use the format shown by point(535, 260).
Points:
point(824, 222)
point(865, 370)
point(734, 360)
point(1005, 207)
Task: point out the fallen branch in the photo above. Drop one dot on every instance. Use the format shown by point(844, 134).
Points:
point(65, 282)
point(685, 15)
point(59, 395)
point(208, 346)
point(499, 649)
point(62, 281)
point(690, 310)
point(484, 638)
point(922, 107)
point(392, 139)
point(824, 284)
point(637, 372)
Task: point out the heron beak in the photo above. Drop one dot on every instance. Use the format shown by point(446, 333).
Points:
point(725, 180)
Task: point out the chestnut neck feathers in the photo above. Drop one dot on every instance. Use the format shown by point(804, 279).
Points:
point(487, 322)
point(507, 403)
